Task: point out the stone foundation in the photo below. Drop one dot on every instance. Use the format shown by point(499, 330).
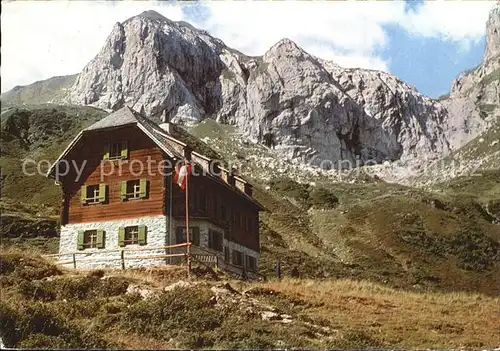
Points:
point(156, 235)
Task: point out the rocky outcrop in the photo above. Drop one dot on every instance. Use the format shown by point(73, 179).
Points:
point(474, 102)
point(309, 108)
point(493, 34)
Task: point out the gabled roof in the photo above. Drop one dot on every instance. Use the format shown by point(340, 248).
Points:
point(164, 140)
point(122, 117)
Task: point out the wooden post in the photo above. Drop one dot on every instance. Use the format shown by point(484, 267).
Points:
point(122, 253)
point(188, 247)
point(74, 261)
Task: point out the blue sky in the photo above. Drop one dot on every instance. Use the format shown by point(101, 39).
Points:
point(426, 44)
point(429, 64)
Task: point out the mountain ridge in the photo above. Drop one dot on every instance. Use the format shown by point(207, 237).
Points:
point(315, 110)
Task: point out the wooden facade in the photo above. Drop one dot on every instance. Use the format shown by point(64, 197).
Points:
point(211, 198)
point(214, 202)
point(112, 173)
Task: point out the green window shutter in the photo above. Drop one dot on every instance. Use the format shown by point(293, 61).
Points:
point(102, 192)
point(83, 194)
point(143, 188)
point(100, 239)
point(124, 151)
point(142, 234)
point(121, 236)
point(106, 152)
point(80, 240)
point(123, 191)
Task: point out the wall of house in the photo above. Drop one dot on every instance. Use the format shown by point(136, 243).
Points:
point(204, 227)
point(207, 199)
point(156, 235)
point(141, 151)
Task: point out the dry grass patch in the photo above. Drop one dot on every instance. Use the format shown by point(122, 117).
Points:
point(398, 318)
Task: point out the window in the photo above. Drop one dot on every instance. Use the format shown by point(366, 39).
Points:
point(134, 189)
point(251, 262)
point(194, 235)
point(90, 239)
point(215, 240)
point(132, 235)
point(93, 194)
point(237, 258)
point(226, 253)
point(116, 151)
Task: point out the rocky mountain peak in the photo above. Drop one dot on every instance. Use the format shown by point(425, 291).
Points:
point(493, 33)
point(314, 109)
point(149, 15)
point(286, 45)
point(474, 103)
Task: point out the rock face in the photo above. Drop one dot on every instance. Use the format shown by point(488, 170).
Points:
point(493, 33)
point(474, 101)
point(309, 108)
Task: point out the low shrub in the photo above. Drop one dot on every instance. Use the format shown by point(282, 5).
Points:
point(181, 308)
point(40, 325)
point(355, 339)
point(322, 198)
point(26, 267)
point(290, 188)
point(316, 196)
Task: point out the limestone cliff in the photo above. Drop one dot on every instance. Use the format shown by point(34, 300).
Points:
point(313, 109)
point(474, 102)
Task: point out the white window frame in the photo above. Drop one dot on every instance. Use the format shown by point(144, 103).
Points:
point(92, 235)
point(136, 189)
point(115, 150)
point(132, 231)
point(95, 198)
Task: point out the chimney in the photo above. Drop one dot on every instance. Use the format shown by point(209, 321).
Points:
point(166, 125)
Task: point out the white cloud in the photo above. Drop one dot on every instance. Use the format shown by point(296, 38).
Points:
point(349, 31)
point(44, 39)
point(458, 21)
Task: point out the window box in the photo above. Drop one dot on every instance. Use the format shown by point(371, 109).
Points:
point(94, 194)
point(132, 235)
point(90, 239)
point(134, 189)
point(116, 151)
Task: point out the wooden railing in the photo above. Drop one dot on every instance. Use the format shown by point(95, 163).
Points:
point(122, 257)
point(201, 255)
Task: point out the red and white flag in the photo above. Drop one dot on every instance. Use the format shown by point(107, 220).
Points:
point(181, 174)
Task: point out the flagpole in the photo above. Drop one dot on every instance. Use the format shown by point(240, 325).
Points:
point(188, 249)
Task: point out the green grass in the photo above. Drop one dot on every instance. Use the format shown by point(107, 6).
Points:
point(51, 90)
point(43, 306)
point(493, 76)
point(39, 132)
point(441, 239)
point(488, 108)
